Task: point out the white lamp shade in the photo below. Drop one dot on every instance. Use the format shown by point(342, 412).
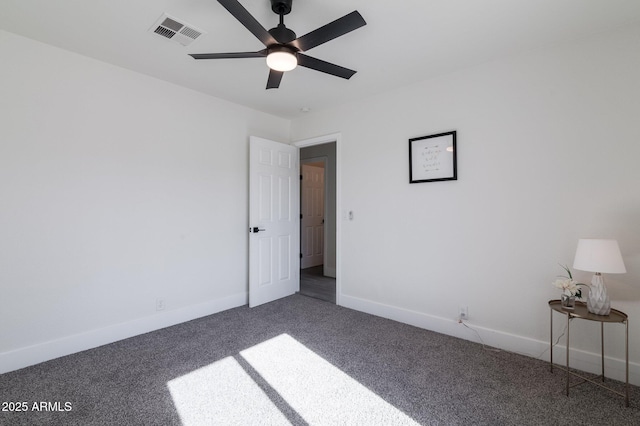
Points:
point(281, 60)
point(595, 255)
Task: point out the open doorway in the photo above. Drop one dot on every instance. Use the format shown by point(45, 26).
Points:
point(318, 221)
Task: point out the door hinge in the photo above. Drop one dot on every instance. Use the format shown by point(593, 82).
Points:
point(300, 177)
point(300, 215)
point(300, 255)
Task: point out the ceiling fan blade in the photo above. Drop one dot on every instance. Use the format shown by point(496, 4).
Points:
point(323, 66)
point(274, 79)
point(334, 29)
point(233, 55)
point(246, 19)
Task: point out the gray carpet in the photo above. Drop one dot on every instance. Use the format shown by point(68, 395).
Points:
point(303, 361)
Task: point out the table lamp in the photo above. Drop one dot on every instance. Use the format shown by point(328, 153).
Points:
point(599, 256)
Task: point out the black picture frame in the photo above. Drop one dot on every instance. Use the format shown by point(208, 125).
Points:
point(433, 158)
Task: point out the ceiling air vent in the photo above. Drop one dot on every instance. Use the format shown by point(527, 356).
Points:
point(171, 28)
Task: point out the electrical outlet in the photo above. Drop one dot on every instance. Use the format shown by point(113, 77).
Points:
point(160, 304)
point(463, 314)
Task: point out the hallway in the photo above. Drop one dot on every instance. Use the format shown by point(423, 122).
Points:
point(314, 284)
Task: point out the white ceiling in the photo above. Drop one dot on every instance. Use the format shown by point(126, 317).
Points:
point(404, 41)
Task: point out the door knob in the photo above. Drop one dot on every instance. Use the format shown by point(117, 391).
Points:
point(255, 230)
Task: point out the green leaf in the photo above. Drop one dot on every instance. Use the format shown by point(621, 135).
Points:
point(566, 268)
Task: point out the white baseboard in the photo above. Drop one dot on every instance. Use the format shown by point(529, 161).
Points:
point(24, 357)
point(581, 360)
point(329, 271)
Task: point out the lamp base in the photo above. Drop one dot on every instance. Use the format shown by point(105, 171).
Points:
point(598, 300)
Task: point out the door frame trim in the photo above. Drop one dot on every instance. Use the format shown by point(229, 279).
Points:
point(319, 140)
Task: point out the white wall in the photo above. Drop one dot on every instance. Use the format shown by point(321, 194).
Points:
point(548, 149)
point(116, 189)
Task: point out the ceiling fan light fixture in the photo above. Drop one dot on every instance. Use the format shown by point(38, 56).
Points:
point(281, 59)
point(283, 47)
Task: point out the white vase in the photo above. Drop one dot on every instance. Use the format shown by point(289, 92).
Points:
point(598, 300)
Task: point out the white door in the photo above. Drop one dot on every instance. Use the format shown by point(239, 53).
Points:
point(312, 216)
point(274, 225)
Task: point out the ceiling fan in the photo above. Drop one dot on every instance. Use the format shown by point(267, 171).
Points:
point(283, 49)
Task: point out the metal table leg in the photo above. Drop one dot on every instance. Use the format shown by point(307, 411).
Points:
point(568, 373)
point(551, 341)
point(626, 344)
point(602, 347)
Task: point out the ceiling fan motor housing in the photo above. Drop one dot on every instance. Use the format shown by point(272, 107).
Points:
point(282, 34)
point(281, 7)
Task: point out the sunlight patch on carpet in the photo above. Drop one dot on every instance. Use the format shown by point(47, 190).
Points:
point(318, 391)
point(222, 393)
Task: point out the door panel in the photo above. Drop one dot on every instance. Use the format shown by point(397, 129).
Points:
point(273, 221)
point(312, 216)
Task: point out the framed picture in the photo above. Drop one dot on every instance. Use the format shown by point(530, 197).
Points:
point(433, 158)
